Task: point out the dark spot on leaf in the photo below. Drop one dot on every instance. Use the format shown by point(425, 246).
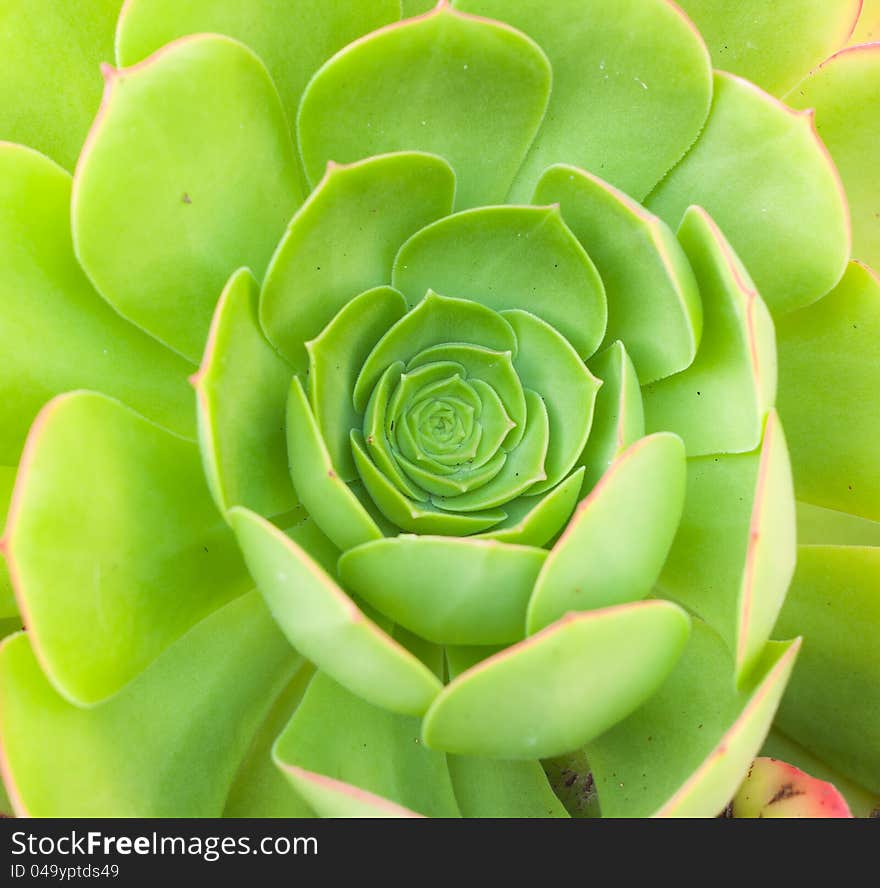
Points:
point(186, 198)
point(786, 791)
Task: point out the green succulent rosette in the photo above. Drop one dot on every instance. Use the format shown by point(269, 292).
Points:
point(455, 411)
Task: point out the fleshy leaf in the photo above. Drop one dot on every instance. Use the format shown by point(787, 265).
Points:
point(615, 544)
point(867, 28)
point(817, 526)
point(327, 498)
point(436, 320)
point(259, 789)
point(351, 759)
point(619, 415)
point(449, 591)
point(631, 86)
point(335, 359)
point(765, 177)
point(166, 133)
point(833, 704)
point(343, 241)
point(560, 688)
point(845, 95)
point(719, 403)
point(56, 333)
point(685, 752)
point(447, 83)
point(292, 43)
point(772, 44)
point(550, 366)
point(242, 388)
point(8, 605)
point(734, 555)
point(50, 87)
point(509, 257)
point(325, 625)
point(168, 745)
point(116, 508)
point(828, 385)
point(534, 521)
point(413, 516)
point(653, 301)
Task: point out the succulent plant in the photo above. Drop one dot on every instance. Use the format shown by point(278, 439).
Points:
point(438, 411)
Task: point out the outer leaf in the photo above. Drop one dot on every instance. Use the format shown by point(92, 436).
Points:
point(351, 759)
point(8, 606)
point(816, 525)
point(719, 403)
point(449, 591)
point(867, 28)
point(158, 557)
point(242, 392)
point(447, 83)
point(259, 789)
point(619, 415)
point(653, 301)
point(787, 216)
point(685, 752)
point(828, 384)
point(168, 745)
point(553, 692)
point(293, 42)
point(772, 44)
point(329, 500)
point(343, 240)
point(845, 93)
point(326, 626)
point(509, 257)
point(49, 83)
point(734, 554)
point(185, 224)
point(833, 705)
point(614, 547)
point(56, 333)
point(631, 86)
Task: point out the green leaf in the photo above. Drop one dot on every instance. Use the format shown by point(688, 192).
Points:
point(242, 389)
point(631, 86)
point(509, 257)
point(164, 138)
point(50, 86)
point(549, 365)
point(686, 751)
point(168, 745)
point(833, 704)
point(719, 403)
point(615, 545)
point(259, 788)
point(449, 591)
point(447, 83)
point(560, 688)
point(619, 415)
point(817, 526)
point(867, 28)
point(535, 520)
point(325, 626)
point(8, 605)
point(653, 302)
point(765, 177)
point(349, 758)
point(845, 95)
point(828, 384)
point(436, 320)
point(735, 551)
point(56, 333)
point(335, 359)
point(523, 469)
point(412, 516)
point(343, 241)
point(115, 508)
point(293, 43)
point(772, 44)
point(327, 498)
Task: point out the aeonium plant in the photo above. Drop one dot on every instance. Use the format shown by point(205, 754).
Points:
point(466, 411)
